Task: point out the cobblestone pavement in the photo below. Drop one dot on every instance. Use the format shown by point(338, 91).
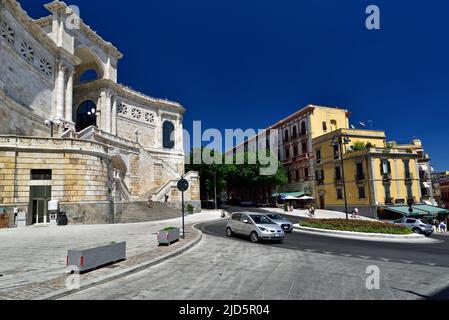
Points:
point(229, 269)
point(32, 260)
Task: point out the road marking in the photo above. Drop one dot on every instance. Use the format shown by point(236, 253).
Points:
point(364, 257)
point(310, 251)
point(385, 259)
point(328, 253)
point(407, 262)
point(431, 264)
point(346, 255)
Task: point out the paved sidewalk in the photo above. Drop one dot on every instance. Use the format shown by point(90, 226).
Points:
point(319, 214)
point(32, 259)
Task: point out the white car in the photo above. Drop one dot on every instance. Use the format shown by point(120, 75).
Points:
point(256, 226)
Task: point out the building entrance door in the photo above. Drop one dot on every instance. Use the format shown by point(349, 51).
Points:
point(40, 211)
point(39, 198)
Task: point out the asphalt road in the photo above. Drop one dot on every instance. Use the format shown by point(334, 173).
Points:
point(434, 254)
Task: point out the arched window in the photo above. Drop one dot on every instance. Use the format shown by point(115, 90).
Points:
point(86, 115)
point(88, 76)
point(303, 128)
point(168, 135)
point(295, 132)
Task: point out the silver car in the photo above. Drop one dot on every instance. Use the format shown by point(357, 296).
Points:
point(286, 225)
point(416, 225)
point(256, 226)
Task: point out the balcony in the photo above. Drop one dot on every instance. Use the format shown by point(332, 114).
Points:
point(338, 182)
point(409, 178)
point(386, 177)
point(360, 178)
point(389, 201)
point(320, 182)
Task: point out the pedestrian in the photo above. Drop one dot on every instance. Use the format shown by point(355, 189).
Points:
point(443, 227)
point(166, 198)
point(312, 211)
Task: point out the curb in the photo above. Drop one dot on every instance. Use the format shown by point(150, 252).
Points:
point(123, 273)
point(364, 236)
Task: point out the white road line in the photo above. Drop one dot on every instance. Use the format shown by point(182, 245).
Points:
point(346, 255)
point(384, 259)
point(407, 262)
point(365, 257)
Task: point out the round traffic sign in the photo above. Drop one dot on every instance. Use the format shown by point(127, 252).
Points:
point(183, 185)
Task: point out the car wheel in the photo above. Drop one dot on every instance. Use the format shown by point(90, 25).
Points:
point(229, 232)
point(417, 231)
point(254, 237)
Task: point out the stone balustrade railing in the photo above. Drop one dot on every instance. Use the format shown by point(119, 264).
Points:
point(51, 143)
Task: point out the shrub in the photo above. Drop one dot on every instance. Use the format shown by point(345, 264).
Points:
point(190, 208)
point(355, 226)
point(169, 229)
point(358, 146)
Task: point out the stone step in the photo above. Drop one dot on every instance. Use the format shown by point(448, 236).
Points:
point(140, 212)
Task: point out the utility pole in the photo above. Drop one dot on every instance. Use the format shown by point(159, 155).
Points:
point(215, 190)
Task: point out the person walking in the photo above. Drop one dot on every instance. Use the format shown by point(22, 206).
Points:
point(443, 227)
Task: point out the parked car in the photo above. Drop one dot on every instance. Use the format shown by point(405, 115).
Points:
point(256, 226)
point(416, 225)
point(286, 225)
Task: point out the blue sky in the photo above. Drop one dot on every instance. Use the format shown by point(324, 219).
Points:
point(247, 64)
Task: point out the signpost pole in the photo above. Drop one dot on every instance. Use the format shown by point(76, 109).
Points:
point(183, 226)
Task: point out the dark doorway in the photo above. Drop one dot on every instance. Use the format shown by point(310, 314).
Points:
point(322, 202)
point(86, 115)
point(39, 198)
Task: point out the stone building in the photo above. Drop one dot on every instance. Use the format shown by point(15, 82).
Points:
point(70, 132)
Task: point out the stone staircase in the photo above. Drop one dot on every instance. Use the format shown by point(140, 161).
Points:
point(135, 212)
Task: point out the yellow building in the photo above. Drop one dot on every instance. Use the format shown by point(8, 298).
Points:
point(372, 175)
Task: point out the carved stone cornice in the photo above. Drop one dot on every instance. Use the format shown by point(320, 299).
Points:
point(36, 31)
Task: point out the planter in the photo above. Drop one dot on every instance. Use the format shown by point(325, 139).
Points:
point(95, 257)
point(168, 236)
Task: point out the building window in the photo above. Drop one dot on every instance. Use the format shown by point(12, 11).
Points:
point(287, 153)
point(297, 175)
point(27, 52)
point(407, 169)
point(295, 151)
point(303, 128)
point(359, 172)
point(362, 193)
point(304, 149)
point(306, 173)
point(340, 194)
point(336, 152)
point(318, 156)
point(39, 174)
point(46, 67)
point(338, 174)
point(168, 135)
point(295, 132)
point(324, 126)
point(286, 137)
point(320, 177)
point(409, 191)
point(333, 125)
point(7, 33)
point(388, 199)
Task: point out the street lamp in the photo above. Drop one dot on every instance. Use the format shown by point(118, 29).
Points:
point(215, 190)
point(50, 123)
point(338, 141)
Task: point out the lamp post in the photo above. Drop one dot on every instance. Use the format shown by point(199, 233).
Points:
point(340, 140)
point(215, 190)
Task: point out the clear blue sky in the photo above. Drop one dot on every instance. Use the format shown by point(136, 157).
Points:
point(247, 64)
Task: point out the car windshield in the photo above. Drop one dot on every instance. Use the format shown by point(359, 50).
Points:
point(261, 219)
point(274, 217)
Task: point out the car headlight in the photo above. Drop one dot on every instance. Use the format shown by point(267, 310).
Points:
point(263, 229)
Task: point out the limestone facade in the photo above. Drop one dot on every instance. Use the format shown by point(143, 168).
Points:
point(110, 144)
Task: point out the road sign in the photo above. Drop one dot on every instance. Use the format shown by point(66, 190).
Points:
point(183, 185)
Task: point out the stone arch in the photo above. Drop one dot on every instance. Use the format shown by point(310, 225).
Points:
point(85, 115)
point(90, 62)
point(168, 135)
point(119, 165)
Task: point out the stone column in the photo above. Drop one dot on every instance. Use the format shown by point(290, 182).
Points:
point(60, 84)
point(114, 116)
point(107, 110)
point(69, 97)
point(180, 135)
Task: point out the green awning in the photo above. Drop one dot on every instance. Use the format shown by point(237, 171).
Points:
point(432, 209)
point(404, 210)
point(289, 194)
